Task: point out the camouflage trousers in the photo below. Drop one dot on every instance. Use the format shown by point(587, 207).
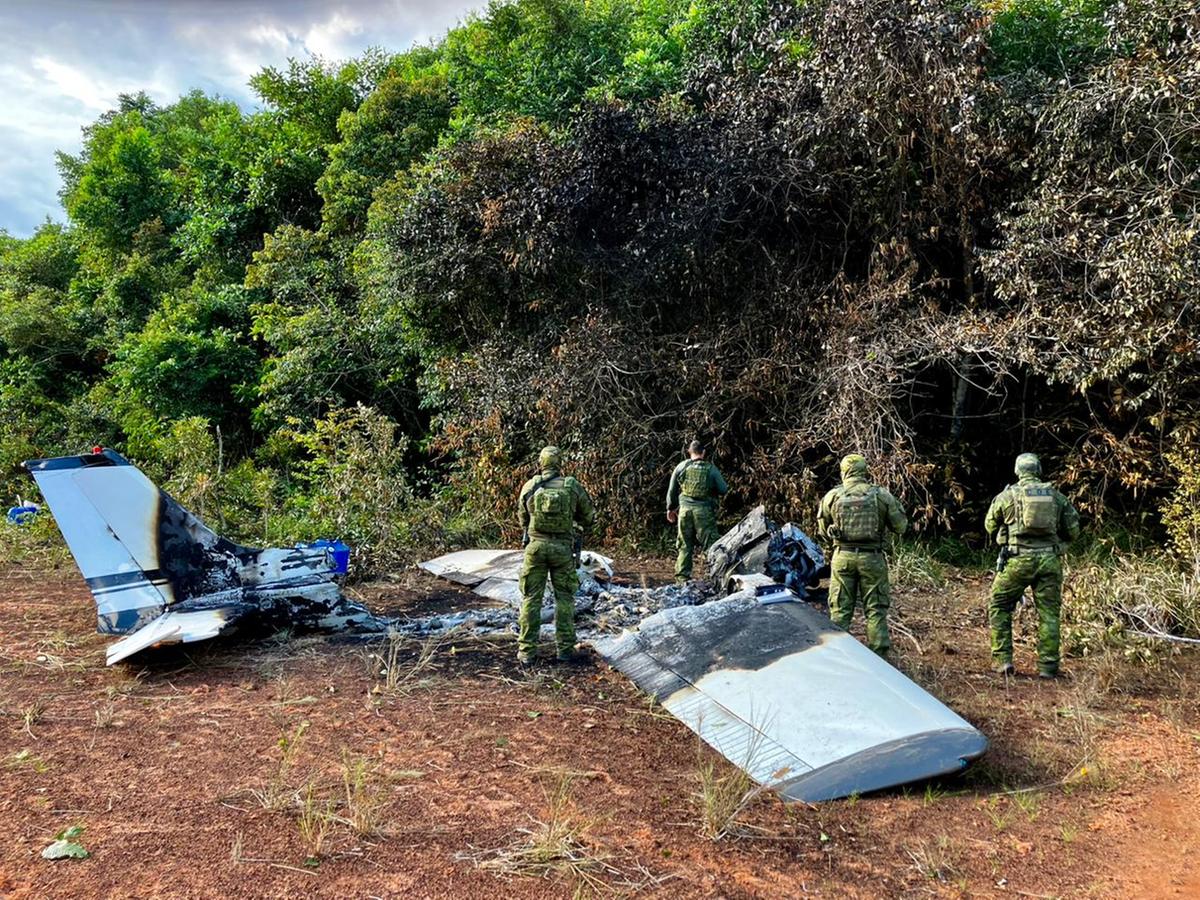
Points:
point(1042, 572)
point(553, 559)
point(857, 576)
point(697, 527)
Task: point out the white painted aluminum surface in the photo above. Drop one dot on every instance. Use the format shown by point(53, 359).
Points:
point(496, 574)
point(170, 628)
point(799, 704)
point(472, 567)
point(98, 550)
point(128, 502)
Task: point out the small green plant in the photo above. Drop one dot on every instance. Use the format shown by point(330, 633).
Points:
point(998, 815)
point(365, 800)
point(725, 791)
point(67, 845)
point(26, 758)
point(314, 820)
point(1069, 831)
point(30, 716)
point(276, 794)
point(105, 715)
point(1028, 802)
point(934, 859)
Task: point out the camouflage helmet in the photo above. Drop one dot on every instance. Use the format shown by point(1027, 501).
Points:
point(854, 464)
point(550, 458)
point(1028, 464)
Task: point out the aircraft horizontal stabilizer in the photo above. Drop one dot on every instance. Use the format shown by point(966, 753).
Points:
point(496, 574)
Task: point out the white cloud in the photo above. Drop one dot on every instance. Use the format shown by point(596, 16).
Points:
point(64, 62)
point(329, 39)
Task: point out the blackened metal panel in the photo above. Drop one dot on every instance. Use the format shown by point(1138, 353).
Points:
point(799, 704)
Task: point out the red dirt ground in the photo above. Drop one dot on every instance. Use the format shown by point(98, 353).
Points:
point(158, 761)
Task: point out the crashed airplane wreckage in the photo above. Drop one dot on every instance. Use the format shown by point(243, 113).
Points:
point(159, 575)
point(761, 676)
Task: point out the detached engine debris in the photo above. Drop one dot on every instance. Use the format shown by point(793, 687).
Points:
point(757, 546)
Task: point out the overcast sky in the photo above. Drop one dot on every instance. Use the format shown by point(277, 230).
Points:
point(63, 63)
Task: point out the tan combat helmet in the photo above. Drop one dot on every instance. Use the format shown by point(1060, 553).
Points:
point(1028, 464)
point(854, 464)
point(550, 458)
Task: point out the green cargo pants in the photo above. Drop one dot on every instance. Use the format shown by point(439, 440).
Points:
point(556, 560)
point(861, 576)
point(697, 526)
point(1043, 572)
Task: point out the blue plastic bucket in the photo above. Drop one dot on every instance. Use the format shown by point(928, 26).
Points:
point(339, 553)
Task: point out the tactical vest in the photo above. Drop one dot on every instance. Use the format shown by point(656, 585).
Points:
point(552, 509)
point(856, 516)
point(693, 480)
point(1035, 514)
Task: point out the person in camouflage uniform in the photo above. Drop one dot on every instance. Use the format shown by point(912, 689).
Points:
point(1032, 522)
point(695, 491)
point(856, 516)
point(554, 509)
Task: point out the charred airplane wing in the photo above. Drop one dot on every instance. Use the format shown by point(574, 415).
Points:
point(780, 691)
point(159, 575)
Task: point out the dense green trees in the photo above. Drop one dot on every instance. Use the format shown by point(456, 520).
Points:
point(932, 232)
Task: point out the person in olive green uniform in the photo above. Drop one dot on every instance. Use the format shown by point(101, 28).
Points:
point(1032, 522)
point(553, 509)
point(695, 490)
point(856, 516)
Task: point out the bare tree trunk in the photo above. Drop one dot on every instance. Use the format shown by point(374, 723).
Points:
point(966, 367)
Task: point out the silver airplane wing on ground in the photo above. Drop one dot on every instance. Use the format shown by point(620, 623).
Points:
point(159, 575)
point(779, 690)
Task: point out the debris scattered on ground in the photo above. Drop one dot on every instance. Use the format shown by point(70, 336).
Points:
point(66, 845)
point(756, 545)
point(600, 608)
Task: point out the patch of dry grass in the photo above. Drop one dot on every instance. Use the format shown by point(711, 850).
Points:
point(364, 796)
point(397, 673)
point(314, 820)
point(278, 791)
point(557, 846)
point(935, 860)
point(724, 793)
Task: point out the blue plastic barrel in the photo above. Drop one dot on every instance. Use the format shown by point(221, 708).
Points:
point(339, 553)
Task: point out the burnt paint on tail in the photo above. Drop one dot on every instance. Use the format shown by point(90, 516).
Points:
point(196, 561)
